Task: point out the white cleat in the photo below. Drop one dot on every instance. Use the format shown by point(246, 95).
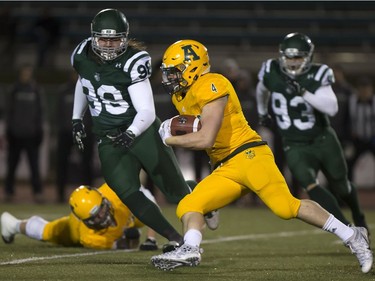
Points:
point(185, 255)
point(360, 246)
point(212, 219)
point(8, 227)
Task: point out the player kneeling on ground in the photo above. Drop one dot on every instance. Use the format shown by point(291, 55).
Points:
point(99, 220)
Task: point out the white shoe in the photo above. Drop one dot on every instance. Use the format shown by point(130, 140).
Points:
point(360, 246)
point(8, 227)
point(185, 255)
point(212, 219)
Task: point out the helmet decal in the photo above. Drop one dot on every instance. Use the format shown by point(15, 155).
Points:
point(189, 53)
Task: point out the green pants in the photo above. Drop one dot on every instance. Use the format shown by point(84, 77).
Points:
point(121, 167)
point(325, 154)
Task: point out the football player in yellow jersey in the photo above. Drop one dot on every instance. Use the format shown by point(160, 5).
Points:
point(241, 161)
point(99, 220)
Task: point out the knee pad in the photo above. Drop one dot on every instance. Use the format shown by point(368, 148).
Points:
point(287, 211)
point(35, 227)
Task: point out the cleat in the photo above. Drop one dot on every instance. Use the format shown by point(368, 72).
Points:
point(149, 245)
point(361, 222)
point(212, 219)
point(170, 246)
point(8, 227)
point(359, 245)
point(185, 255)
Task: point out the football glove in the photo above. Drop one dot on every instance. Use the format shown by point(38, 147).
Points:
point(123, 138)
point(295, 87)
point(129, 239)
point(78, 133)
point(265, 120)
point(165, 130)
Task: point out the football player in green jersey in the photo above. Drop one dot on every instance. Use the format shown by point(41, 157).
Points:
point(301, 99)
point(114, 84)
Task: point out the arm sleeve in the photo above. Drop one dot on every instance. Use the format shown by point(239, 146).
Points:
point(80, 102)
point(262, 97)
point(324, 100)
point(143, 101)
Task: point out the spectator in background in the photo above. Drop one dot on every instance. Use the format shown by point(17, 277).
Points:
point(65, 144)
point(243, 84)
point(47, 33)
point(343, 89)
point(24, 130)
point(362, 121)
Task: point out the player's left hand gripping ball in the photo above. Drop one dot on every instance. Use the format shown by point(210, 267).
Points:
point(165, 130)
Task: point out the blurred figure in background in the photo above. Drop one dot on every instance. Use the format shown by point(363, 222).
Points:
point(24, 130)
point(243, 84)
point(65, 145)
point(343, 90)
point(46, 31)
point(362, 122)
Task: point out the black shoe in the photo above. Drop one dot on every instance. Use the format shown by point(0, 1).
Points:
point(149, 245)
point(170, 246)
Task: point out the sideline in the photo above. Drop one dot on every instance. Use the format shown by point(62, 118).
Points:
point(210, 241)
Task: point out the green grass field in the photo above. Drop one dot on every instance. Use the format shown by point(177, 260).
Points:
point(250, 244)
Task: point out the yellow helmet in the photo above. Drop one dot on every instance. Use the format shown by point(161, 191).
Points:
point(183, 63)
point(91, 207)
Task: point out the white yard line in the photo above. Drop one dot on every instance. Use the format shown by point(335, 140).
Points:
point(210, 241)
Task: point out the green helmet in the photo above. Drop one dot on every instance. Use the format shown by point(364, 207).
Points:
point(109, 23)
point(295, 45)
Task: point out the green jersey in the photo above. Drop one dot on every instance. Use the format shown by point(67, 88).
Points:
point(296, 119)
point(106, 84)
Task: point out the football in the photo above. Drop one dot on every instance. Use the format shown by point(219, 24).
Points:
point(184, 124)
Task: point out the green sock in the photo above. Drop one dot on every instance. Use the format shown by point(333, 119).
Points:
point(351, 200)
point(148, 213)
point(328, 202)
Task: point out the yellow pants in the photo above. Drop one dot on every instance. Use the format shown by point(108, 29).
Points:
point(253, 169)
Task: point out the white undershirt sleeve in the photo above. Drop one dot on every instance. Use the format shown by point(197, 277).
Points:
point(143, 102)
point(324, 100)
point(262, 97)
point(80, 102)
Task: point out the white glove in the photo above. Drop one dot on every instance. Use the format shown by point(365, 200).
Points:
point(165, 130)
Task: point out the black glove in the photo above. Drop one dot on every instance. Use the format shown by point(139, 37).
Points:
point(129, 239)
point(293, 87)
point(78, 133)
point(265, 120)
point(124, 139)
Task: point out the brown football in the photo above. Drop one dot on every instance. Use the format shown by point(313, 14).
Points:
point(184, 124)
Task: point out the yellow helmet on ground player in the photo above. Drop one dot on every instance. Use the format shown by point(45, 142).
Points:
point(91, 207)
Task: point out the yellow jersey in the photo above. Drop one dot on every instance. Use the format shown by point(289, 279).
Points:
point(235, 130)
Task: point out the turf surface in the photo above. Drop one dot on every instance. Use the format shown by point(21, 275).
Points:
point(250, 244)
